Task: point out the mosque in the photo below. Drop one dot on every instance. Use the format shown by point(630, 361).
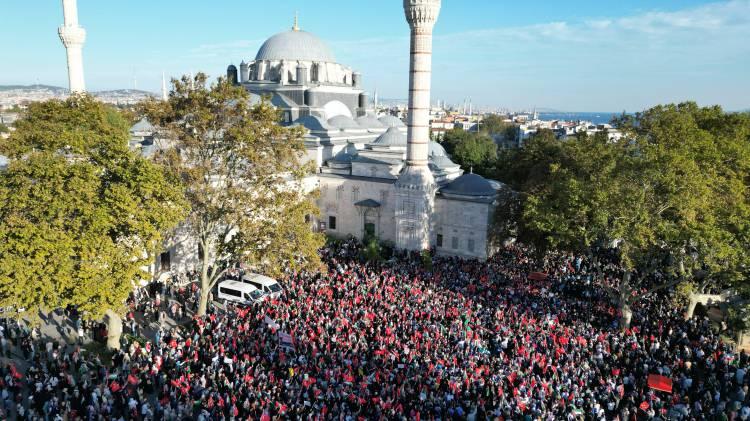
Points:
point(376, 175)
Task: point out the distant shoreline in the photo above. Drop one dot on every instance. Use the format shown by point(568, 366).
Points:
point(594, 117)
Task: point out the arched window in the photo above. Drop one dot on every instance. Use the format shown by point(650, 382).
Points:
point(315, 72)
point(355, 194)
point(409, 208)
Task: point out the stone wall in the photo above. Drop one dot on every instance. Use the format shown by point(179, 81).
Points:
point(462, 223)
point(338, 196)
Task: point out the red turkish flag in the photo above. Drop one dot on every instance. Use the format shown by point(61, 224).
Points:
point(661, 383)
point(114, 387)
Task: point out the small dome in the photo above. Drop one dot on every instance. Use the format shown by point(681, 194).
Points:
point(391, 121)
point(343, 122)
point(142, 126)
point(232, 67)
point(347, 155)
point(313, 123)
point(393, 137)
point(295, 45)
point(436, 149)
point(369, 122)
point(442, 161)
point(470, 185)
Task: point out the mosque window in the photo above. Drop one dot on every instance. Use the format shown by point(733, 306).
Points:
point(440, 240)
point(471, 245)
point(355, 194)
point(383, 197)
point(410, 208)
point(339, 192)
point(454, 243)
point(332, 222)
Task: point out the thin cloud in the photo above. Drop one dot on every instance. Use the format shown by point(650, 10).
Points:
point(234, 49)
point(620, 62)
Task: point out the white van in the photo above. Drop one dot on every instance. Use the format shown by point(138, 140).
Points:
point(266, 285)
point(239, 292)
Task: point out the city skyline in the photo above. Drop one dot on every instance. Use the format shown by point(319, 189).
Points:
point(582, 56)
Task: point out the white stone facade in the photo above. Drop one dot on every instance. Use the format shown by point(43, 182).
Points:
point(461, 228)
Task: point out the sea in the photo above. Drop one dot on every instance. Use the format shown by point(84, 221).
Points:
point(596, 118)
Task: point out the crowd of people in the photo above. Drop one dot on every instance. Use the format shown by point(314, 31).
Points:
point(400, 340)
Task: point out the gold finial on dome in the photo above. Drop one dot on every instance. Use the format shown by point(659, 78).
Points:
point(296, 22)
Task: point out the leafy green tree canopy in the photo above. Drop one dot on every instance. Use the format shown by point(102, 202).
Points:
point(471, 150)
point(495, 125)
point(80, 213)
point(243, 176)
point(673, 195)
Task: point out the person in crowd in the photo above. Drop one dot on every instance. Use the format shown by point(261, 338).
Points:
point(462, 340)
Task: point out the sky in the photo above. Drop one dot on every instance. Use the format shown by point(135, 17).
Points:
point(572, 55)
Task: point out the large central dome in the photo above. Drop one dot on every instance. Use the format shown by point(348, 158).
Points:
point(295, 45)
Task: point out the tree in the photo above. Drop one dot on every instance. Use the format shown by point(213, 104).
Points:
point(673, 196)
point(13, 109)
point(454, 137)
point(4, 128)
point(471, 150)
point(372, 251)
point(495, 126)
point(80, 213)
point(478, 151)
point(243, 176)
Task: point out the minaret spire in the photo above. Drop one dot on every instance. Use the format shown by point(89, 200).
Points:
point(164, 94)
point(73, 36)
point(296, 22)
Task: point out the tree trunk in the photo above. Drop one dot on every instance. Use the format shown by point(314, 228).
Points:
point(691, 306)
point(114, 329)
point(203, 303)
point(624, 301)
point(205, 282)
point(740, 338)
point(626, 315)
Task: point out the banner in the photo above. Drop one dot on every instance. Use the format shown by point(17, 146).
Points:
point(271, 323)
point(286, 340)
point(537, 276)
point(661, 383)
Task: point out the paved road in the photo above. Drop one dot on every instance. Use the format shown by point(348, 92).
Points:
point(57, 328)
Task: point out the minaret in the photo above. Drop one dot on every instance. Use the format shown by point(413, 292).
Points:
point(73, 37)
point(415, 188)
point(164, 93)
